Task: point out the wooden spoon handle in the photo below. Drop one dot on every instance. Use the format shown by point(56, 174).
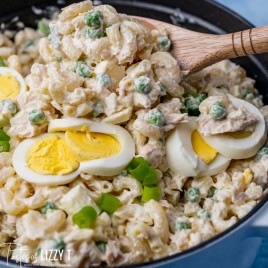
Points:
point(207, 49)
point(248, 42)
point(195, 51)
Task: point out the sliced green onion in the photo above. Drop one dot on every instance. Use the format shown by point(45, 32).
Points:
point(4, 121)
point(85, 217)
point(4, 136)
point(109, 203)
point(43, 28)
point(101, 246)
point(150, 178)
point(2, 63)
point(48, 207)
point(151, 193)
point(4, 146)
point(138, 168)
point(142, 172)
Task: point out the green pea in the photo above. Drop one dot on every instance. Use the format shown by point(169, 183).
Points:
point(28, 44)
point(82, 69)
point(142, 84)
point(217, 111)
point(9, 105)
point(101, 246)
point(49, 207)
point(97, 33)
point(211, 191)
point(94, 18)
point(4, 146)
point(97, 109)
point(203, 214)
point(193, 194)
point(156, 117)
point(163, 43)
point(104, 79)
point(2, 63)
point(192, 102)
point(58, 244)
point(263, 151)
point(36, 117)
point(43, 28)
point(182, 225)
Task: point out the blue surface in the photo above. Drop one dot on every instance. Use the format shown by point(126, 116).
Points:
point(261, 260)
point(255, 11)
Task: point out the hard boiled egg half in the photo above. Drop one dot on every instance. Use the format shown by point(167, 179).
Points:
point(242, 144)
point(189, 155)
point(73, 146)
point(11, 83)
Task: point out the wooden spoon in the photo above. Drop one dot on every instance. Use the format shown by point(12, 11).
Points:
point(195, 51)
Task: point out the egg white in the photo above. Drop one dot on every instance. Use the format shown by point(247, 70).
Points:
point(240, 148)
point(5, 71)
point(108, 166)
point(182, 159)
point(21, 167)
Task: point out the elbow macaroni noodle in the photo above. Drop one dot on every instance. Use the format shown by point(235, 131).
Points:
point(136, 231)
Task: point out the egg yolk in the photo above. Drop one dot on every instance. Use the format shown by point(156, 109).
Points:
point(9, 87)
point(87, 146)
point(240, 134)
point(201, 148)
point(50, 156)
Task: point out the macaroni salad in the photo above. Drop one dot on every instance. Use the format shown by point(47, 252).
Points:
point(107, 155)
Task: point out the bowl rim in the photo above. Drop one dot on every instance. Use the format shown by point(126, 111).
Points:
point(214, 239)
